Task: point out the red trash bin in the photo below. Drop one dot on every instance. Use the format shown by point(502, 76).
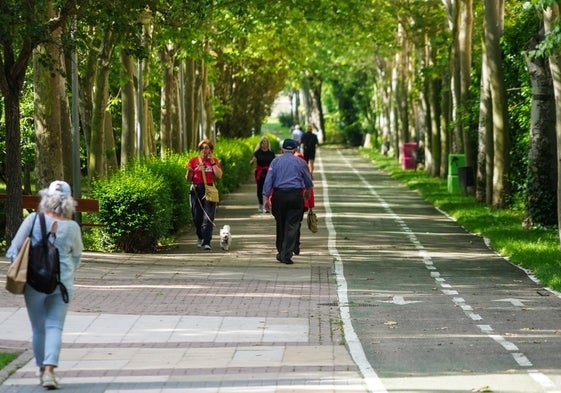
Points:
point(408, 155)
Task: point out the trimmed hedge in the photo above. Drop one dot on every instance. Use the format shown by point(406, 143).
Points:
point(135, 209)
point(147, 202)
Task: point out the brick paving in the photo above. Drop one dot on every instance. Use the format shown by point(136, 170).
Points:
point(185, 319)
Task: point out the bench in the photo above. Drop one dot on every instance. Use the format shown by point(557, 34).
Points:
point(83, 205)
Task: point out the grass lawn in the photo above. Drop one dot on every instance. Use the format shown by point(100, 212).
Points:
point(6, 358)
point(536, 250)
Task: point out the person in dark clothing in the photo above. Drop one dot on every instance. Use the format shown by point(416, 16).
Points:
point(310, 142)
point(262, 157)
point(287, 176)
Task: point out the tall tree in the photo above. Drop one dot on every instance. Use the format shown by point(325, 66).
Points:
point(541, 188)
point(23, 26)
point(552, 19)
point(494, 17)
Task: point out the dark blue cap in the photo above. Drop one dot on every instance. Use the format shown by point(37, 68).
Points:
point(289, 144)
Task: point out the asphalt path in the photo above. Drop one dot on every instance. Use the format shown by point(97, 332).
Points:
point(432, 307)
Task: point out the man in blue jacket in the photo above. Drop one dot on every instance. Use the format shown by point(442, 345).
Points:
point(287, 176)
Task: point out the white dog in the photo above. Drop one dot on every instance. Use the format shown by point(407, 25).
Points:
point(225, 238)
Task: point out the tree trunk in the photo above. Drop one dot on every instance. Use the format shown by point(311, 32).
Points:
point(128, 105)
point(47, 82)
point(465, 47)
point(551, 20)
point(541, 183)
point(494, 13)
point(86, 83)
point(97, 161)
point(166, 100)
point(484, 175)
point(109, 142)
point(190, 94)
point(14, 204)
point(445, 119)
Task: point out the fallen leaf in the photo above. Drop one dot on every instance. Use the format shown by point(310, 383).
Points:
point(482, 389)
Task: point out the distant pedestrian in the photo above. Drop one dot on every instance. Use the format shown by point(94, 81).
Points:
point(262, 157)
point(288, 175)
point(47, 312)
point(296, 135)
point(309, 143)
point(203, 211)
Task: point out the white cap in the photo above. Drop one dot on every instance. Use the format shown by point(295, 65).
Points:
point(59, 187)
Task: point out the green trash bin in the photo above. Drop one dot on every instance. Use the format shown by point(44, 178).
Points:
point(455, 161)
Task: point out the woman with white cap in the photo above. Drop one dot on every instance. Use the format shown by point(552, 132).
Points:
point(47, 312)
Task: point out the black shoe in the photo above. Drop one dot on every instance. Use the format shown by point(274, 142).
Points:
point(296, 251)
point(289, 262)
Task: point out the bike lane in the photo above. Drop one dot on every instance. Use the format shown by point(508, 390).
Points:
point(434, 309)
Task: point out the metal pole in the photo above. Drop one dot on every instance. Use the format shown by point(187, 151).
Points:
point(140, 113)
point(76, 167)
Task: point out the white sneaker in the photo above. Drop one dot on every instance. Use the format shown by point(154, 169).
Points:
point(50, 381)
point(200, 243)
point(207, 247)
point(260, 209)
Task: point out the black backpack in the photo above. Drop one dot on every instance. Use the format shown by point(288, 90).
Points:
point(43, 270)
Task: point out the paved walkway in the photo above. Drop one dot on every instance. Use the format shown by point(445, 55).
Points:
point(187, 320)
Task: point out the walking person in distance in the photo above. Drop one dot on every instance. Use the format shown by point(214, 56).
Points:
point(287, 176)
point(203, 211)
point(47, 312)
point(310, 142)
point(262, 157)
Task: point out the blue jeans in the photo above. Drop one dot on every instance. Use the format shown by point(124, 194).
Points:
point(46, 314)
point(203, 219)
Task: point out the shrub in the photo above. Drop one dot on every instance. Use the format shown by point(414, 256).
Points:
point(234, 156)
point(285, 119)
point(172, 170)
point(135, 209)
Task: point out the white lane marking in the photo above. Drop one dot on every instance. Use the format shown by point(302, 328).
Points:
point(370, 378)
point(514, 302)
point(522, 360)
point(504, 342)
point(400, 301)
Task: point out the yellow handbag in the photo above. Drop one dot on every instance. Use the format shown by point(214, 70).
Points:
point(211, 192)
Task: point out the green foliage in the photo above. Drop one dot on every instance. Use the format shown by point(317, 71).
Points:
point(172, 171)
point(286, 120)
point(353, 134)
point(135, 207)
point(536, 250)
point(234, 156)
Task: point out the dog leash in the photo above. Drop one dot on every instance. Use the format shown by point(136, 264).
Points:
point(198, 199)
point(204, 211)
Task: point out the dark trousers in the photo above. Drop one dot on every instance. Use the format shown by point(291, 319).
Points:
point(203, 214)
point(288, 210)
point(260, 184)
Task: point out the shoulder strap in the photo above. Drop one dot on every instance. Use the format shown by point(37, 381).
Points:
point(204, 174)
point(43, 225)
point(33, 225)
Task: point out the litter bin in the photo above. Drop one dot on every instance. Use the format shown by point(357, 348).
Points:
point(455, 161)
point(409, 155)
